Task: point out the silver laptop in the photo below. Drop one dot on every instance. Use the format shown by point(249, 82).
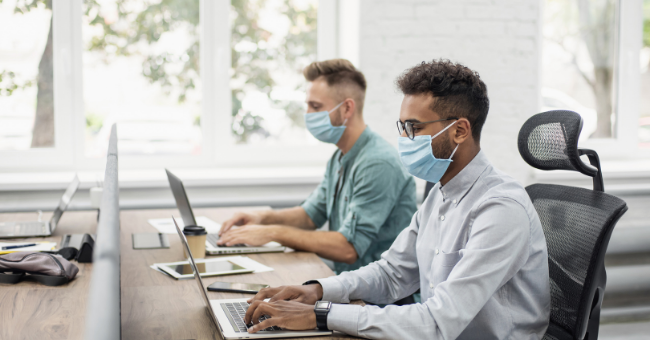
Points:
point(40, 228)
point(211, 247)
point(228, 314)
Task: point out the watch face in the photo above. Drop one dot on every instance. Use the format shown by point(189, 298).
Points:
point(322, 304)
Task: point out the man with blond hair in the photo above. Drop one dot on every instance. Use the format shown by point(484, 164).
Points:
point(366, 195)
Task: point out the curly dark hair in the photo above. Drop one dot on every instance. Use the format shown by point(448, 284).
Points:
point(458, 91)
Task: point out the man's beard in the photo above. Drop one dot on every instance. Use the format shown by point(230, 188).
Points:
point(443, 149)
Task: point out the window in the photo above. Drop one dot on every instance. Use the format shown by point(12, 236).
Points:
point(272, 41)
point(579, 62)
point(592, 50)
point(190, 82)
point(26, 75)
point(141, 70)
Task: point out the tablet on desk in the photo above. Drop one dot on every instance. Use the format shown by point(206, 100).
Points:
point(208, 267)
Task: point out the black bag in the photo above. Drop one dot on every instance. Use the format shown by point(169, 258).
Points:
point(48, 269)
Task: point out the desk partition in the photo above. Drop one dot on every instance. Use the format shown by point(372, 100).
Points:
point(103, 313)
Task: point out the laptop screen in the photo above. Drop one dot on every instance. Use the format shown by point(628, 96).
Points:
point(182, 203)
point(196, 275)
point(63, 203)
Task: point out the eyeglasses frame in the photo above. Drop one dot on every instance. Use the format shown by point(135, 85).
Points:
point(402, 126)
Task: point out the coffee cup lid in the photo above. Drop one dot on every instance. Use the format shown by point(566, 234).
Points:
point(194, 230)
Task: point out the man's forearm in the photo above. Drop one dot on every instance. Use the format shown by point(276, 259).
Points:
point(331, 245)
point(293, 217)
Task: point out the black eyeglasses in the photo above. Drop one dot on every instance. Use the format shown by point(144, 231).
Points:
point(408, 126)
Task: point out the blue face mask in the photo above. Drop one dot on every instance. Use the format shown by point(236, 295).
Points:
point(320, 126)
point(419, 160)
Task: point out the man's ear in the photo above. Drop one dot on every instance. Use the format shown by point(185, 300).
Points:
point(348, 108)
point(463, 131)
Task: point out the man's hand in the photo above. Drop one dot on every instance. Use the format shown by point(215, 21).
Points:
point(253, 235)
point(289, 315)
point(238, 219)
point(308, 294)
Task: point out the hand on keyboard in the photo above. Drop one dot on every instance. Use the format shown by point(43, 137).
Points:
point(289, 315)
point(252, 235)
point(214, 238)
point(236, 312)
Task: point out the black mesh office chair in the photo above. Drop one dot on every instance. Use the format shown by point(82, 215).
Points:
point(577, 223)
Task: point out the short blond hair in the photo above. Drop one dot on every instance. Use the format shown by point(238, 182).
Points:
point(341, 75)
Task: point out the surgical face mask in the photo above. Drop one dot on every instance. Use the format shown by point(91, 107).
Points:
point(417, 156)
point(320, 126)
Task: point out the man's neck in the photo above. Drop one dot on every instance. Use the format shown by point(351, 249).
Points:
point(463, 156)
point(352, 133)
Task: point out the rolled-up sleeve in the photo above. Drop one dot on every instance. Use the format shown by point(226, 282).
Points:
point(316, 204)
point(497, 248)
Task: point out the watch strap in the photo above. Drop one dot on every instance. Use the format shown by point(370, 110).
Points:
point(321, 315)
point(311, 282)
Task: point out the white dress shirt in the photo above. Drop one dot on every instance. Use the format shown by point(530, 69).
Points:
point(476, 251)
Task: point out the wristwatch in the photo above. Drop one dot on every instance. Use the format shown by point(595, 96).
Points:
point(311, 282)
point(322, 308)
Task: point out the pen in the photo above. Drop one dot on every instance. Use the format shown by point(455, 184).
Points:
point(18, 246)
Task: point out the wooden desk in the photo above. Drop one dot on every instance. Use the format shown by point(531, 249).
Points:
point(30, 310)
point(155, 306)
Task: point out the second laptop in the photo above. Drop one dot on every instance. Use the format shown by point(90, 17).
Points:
point(211, 247)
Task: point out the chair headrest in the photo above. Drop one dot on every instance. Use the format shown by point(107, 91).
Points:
point(549, 141)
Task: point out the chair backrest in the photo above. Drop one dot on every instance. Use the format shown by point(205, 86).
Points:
point(577, 223)
point(549, 141)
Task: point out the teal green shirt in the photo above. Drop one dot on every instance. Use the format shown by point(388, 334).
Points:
point(374, 201)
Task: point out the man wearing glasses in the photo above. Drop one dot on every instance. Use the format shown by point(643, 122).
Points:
point(366, 195)
point(475, 248)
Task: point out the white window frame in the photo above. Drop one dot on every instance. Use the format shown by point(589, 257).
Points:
point(218, 147)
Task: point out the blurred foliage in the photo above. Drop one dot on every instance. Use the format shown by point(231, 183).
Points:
point(94, 122)
point(8, 83)
point(250, 68)
point(250, 65)
point(24, 6)
point(125, 35)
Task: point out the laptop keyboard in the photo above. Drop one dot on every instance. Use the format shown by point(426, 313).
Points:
point(213, 238)
point(23, 228)
point(236, 312)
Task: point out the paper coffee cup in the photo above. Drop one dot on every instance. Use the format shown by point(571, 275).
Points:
point(196, 237)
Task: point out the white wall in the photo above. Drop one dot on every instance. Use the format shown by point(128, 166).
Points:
point(497, 38)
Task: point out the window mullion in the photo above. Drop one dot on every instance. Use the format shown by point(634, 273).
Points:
point(216, 94)
point(63, 51)
point(628, 91)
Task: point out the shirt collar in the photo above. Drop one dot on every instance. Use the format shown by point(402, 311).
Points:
point(457, 187)
point(363, 139)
